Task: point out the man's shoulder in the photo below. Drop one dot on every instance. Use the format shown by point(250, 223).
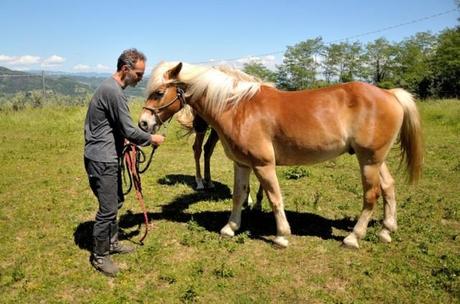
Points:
point(109, 84)
point(110, 88)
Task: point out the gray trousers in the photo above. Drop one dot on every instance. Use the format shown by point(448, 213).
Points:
point(106, 184)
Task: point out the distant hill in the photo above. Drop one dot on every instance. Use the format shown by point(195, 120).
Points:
point(12, 82)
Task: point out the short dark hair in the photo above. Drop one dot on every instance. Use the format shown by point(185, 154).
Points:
point(130, 57)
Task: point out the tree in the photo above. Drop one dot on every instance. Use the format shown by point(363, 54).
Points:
point(380, 60)
point(300, 64)
point(352, 66)
point(445, 64)
point(413, 70)
point(343, 62)
point(259, 70)
point(333, 63)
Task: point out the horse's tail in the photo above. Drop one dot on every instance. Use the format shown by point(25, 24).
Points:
point(185, 118)
point(410, 135)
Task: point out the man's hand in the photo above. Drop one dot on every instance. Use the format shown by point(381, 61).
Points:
point(157, 139)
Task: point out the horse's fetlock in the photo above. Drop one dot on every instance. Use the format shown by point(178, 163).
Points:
point(234, 226)
point(390, 224)
point(359, 233)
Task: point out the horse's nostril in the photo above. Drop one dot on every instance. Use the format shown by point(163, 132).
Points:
point(143, 125)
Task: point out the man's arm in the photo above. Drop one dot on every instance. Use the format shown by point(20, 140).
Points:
point(129, 130)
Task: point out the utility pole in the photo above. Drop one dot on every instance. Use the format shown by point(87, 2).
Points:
point(43, 83)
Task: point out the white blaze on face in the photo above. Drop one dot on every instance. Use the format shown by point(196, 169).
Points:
point(148, 122)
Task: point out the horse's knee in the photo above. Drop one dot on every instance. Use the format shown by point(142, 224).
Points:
point(372, 195)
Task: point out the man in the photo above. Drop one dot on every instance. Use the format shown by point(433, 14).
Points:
point(107, 125)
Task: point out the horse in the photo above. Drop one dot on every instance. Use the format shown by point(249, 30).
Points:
point(261, 127)
point(194, 123)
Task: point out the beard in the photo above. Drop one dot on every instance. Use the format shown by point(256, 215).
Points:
point(130, 80)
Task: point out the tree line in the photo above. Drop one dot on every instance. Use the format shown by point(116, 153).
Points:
point(426, 64)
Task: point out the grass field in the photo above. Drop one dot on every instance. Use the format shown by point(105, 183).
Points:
point(47, 211)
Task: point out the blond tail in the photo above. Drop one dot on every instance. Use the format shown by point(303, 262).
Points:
point(410, 135)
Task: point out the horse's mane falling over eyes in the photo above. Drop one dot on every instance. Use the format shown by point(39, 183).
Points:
point(216, 86)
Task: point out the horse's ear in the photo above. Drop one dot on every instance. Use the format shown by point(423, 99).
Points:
point(174, 72)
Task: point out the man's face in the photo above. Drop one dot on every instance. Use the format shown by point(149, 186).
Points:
point(134, 75)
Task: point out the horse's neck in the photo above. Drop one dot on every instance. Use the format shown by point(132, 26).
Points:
point(200, 108)
point(219, 122)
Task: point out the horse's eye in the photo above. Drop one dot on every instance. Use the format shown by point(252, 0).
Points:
point(158, 95)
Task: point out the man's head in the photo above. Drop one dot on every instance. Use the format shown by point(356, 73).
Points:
point(131, 67)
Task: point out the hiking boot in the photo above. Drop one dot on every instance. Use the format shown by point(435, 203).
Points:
point(101, 260)
point(117, 247)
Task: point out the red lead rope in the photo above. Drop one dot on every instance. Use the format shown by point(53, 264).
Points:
point(131, 162)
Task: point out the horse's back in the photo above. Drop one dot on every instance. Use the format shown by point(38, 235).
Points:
point(313, 125)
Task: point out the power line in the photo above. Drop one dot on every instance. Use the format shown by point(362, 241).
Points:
point(346, 38)
point(14, 75)
point(395, 26)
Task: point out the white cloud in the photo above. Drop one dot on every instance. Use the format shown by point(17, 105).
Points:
point(102, 67)
point(26, 60)
point(51, 61)
point(82, 67)
point(20, 60)
point(23, 68)
point(269, 61)
point(6, 58)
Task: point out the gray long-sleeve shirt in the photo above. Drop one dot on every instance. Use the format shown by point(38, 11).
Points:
point(108, 123)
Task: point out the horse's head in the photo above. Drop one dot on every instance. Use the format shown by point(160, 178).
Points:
point(165, 99)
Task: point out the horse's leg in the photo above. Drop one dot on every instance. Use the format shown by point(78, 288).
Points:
point(248, 202)
point(240, 185)
point(389, 203)
point(257, 206)
point(199, 137)
point(371, 186)
point(260, 196)
point(269, 182)
point(213, 138)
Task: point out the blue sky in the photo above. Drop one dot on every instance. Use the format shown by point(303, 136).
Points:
point(76, 36)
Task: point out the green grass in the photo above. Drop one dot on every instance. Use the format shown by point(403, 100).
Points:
point(47, 209)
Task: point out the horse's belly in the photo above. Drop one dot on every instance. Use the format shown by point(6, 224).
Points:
point(286, 156)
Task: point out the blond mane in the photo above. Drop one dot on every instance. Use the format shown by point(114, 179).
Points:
point(218, 87)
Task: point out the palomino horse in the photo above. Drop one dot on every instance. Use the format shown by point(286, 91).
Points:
point(261, 127)
point(193, 123)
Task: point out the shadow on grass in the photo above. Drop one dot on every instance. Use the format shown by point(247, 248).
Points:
point(259, 224)
point(83, 235)
point(174, 211)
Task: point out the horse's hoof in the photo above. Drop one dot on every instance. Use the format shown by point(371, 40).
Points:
point(281, 241)
point(210, 185)
point(384, 236)
point(199, 184)
point(351, 241)
point(227, 231)
point(390, 225)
